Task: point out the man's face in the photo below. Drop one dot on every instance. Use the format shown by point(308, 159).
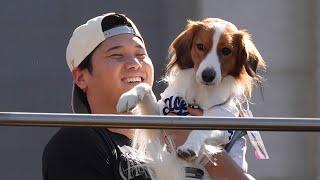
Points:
point(119, 63)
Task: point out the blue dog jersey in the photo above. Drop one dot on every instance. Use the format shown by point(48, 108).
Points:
point(175, 105)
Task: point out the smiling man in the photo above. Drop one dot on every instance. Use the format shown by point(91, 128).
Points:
point(119, 63)
point(107, 57)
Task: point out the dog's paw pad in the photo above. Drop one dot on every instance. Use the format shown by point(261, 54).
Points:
point(186, 154)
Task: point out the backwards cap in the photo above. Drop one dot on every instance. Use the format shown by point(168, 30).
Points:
point(88, 36)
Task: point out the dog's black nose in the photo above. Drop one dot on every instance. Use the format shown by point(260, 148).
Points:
point(208, 75)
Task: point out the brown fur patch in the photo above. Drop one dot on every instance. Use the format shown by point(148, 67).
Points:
point(180, 48)
point(229, 64)
point(202, 37)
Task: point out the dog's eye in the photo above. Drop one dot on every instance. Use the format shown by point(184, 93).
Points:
point(200, 46)
point(226, 51)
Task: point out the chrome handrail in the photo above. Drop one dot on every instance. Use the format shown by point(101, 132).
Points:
point(158, 122)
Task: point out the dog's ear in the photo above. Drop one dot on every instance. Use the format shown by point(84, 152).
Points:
point(248, 55)
point(180, 48)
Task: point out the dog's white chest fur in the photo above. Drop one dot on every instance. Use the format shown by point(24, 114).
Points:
point(183, 83)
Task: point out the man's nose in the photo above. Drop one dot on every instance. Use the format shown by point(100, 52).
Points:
point(133, 63)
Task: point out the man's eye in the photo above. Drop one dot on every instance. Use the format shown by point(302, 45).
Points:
point(200, 46)
point(141, 56)
point(116, 55)
point(226, 51)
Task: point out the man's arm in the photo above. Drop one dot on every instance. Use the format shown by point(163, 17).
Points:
point(225, 168)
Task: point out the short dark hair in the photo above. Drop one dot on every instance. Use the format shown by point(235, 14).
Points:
point(87, 62)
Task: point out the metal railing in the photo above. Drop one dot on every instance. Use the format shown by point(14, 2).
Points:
point(158, 122)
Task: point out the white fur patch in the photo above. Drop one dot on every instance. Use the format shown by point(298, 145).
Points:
point(212, 59)
point(131, 98)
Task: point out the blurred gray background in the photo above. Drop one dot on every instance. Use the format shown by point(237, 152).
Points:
point(34, 35)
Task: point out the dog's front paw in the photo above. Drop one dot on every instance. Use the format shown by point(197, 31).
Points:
point(188, 152)
point(131, 99)
point(127, 102)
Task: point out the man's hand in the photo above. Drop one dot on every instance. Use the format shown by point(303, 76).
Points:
point(225, 168)
point(195, 112)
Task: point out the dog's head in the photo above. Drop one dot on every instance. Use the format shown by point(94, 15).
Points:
point(215, 49)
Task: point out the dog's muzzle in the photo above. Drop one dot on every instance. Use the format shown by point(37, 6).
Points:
point(208, 75)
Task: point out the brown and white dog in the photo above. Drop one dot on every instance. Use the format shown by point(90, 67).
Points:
point(212, 64)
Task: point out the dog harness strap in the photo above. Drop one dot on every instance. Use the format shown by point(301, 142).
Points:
point(237, 135)
point(168, 141)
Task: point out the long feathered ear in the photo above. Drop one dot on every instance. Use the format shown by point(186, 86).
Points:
point(248, 54)
point(179, 50)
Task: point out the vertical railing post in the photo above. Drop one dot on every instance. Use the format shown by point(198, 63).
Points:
point(317, 74)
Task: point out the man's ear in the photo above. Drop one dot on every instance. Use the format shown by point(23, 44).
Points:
point(80, 78)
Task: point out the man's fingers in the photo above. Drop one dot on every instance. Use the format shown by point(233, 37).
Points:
point(195, 112)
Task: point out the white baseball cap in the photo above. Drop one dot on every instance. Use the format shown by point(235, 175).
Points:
point(85, 39)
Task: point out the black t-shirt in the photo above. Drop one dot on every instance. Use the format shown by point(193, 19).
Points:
point(88, 154)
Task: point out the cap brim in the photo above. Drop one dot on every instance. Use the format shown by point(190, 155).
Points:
point(77, 104)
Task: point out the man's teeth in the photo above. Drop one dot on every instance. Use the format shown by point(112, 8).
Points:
point(134, 79)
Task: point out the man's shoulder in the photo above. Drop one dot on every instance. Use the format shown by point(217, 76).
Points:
point(77, 141)
point(78, 153)
point(76, 134)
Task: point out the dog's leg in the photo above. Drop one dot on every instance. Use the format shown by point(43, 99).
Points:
point(142, 97)
point(148, 105)
point(196, 139)
point(192, 146)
